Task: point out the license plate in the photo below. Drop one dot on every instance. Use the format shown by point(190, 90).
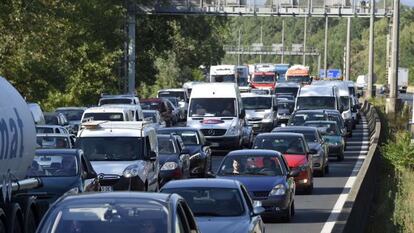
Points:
point(106, 189)
point(215, 144)
point(256, 125)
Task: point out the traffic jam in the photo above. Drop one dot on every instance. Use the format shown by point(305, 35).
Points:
point(131, 164)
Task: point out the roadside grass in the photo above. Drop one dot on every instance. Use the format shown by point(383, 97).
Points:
point(392, 209)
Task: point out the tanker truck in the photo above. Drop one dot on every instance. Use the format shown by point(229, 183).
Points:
point(19, 212)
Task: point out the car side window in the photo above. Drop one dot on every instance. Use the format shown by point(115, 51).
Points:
point(189, 216)
point(147, 146)
point(181, 223)
point(247, 197)
point(284, 167)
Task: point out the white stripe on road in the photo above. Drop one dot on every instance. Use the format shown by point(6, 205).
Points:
point(337, 209)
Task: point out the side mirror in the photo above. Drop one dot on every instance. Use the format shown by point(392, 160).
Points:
point(89, 175)
point(242, 114)
point(152, 156)
point(313, 151)
point(258, 210)
point(293, 173)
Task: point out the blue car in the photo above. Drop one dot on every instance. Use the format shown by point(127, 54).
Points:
point(220, 205)
point(113, 212)
point(267, 177)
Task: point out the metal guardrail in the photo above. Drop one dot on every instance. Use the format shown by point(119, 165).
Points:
point(355, 213)
point(269, 50)
point(333, 8)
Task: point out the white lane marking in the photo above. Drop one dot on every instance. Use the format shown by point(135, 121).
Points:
point(340, 202)
point(357, 142)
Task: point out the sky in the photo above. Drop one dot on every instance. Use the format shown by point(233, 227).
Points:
point(408, 2)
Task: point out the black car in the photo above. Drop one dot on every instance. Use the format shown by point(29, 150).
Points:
point(57, 118)
point(315, 142)
point(174, 158)
point(119, 212)
point(200, 152)
point(335, 115)
point(61, 171)
point(299, 117)
point(284, 110)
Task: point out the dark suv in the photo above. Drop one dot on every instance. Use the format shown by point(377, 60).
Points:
point(299, 117)
point(160, 105)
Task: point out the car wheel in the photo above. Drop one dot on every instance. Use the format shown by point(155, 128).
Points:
point(309, 189)
point(326, 169)
point(340, 156)
point(322, 172)
point(288, 215)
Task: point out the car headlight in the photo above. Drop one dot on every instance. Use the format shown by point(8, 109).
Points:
point(131, 171)
point(232, 131)
point(267, 116)
point(278, 190)
point(195, 156)
point(168, 166)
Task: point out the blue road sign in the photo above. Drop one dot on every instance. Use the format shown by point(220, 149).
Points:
point(331, 74)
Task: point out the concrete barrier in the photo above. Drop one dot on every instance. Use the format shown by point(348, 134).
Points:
point(355, 213)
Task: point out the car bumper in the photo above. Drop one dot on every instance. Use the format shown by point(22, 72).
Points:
point(335, 150)
point(318, 163)
point(129, 184)
point(275, 205)
point(225, 143)
point(260, 126)
point(303, 181)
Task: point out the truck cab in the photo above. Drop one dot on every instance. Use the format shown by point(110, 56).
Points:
point(108, 113)
point(127, 150)
point(263, 80)
point(216, 109)
point(299, 74)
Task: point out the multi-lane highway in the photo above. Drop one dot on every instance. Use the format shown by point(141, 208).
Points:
point(318, 212)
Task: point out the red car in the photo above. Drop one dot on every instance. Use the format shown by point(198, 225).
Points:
point(160, 105)
point(263, 80)
point(297, 154)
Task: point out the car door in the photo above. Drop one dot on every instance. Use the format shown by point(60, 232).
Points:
point(256, 223)
point(187, 216)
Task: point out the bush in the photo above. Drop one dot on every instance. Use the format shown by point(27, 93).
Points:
point(400, 151)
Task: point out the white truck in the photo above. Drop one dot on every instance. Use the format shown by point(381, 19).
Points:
point(402, 79)
point(19, 211)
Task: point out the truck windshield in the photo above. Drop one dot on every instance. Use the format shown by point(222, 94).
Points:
point(345, 103)
point(287, 90)
point(176, 94)
point(299, 79)
point(264, 79)
point(114, 101)
point(242, 82)
point(317, 102)
point(257, 103)
point(103, 116)
point(223, 78)
point(214, 107)
point(111, 148)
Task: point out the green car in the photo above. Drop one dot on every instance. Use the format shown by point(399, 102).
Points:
point(332, 135)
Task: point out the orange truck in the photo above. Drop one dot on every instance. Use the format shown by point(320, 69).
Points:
point(298, 74)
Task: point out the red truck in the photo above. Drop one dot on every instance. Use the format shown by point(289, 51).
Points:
point(263, 80)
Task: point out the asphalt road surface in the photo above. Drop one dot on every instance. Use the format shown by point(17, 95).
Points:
point(318, 212)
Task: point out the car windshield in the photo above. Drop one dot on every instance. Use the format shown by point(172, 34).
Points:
point(215, 107)
point(111, 148)
point(287, 90)
point(285, 96)
point(351, 90)
point(286, 106)
point(345, 102)
point(301, 118)
point(330, 129)
point(251, 165)
point(110, 217)
point(52, 142)
point(189, 137)
point(336, 118)
point(150, 105)
point(250, 103)
point(310, 102)
point(309, 135)
point(174, 94)
point(283, 144)
point(72, 115)
point(173, 100)
point(211, 202)
point(166, 146)
point(264, 79)
point(103, 116)
point(44, 130)
point(53, 165)
point(151, 115)
point(261, 91)
point(299, 79)
point(51, 120)
point(242, 82)
point(223, 78)
point(114, 101)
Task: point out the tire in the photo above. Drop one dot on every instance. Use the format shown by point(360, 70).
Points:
point(309, 189)
point(2, 227)
point(340, 156)
point(14, 220)
point(327, 169)
point(30, 223)
point(288, 216)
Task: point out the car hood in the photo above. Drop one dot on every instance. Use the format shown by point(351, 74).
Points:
point(295, 160)
point(314, 145)
point(163, 158)
point(333, 139)
point(256, 113)
point(56, 185)
point(223, 224)
point(257, 183)
point(194, 149)
point(113, 167)
point(212, 122)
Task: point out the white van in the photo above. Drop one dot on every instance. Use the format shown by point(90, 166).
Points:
point(317, 97)
point(216, 109)
point(107, 114)
point(128, 150)
point(37, 113)
point(118, 99)
point(223, 74)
